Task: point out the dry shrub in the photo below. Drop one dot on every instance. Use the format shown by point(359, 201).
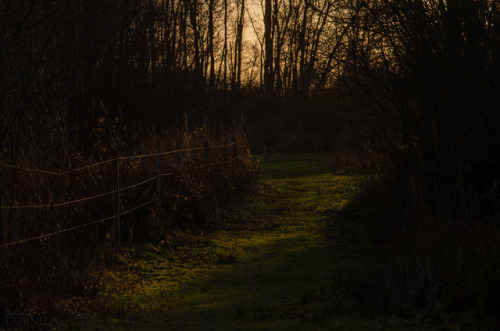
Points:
point(197, 184)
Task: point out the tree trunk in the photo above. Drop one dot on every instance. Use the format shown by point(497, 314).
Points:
point(268, 64)
point(225, 44)
point(211, 42)
point(238, 46)
point(211, 54)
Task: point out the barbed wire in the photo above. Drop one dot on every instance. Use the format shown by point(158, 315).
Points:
point(66, 203)
point(102, 220)
point(217, 163)
point(119, 158)
point(52, 205)
point(174, 151)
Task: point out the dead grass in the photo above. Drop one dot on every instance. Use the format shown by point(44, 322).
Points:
point(40, 274)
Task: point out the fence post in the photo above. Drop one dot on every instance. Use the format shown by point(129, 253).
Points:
point(117, 202)
point(226, 158)
point(158, 182)
point(4, 223)
point(2, 233)
point(207, 152)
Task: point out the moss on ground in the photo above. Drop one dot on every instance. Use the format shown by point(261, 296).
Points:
point(278, 265)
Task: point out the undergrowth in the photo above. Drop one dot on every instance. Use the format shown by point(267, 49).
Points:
point(266, 268)
point(300, 253)
point(53, 274)
point(437, 270)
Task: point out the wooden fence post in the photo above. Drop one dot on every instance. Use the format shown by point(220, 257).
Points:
point(158, 182)
point(117, 201)
point(2, 233)
point(207, 151)
point(4, 223)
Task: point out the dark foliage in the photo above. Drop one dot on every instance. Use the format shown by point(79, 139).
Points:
point(425, 74)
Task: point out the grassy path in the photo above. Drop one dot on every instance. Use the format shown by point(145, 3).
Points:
point(277, 266)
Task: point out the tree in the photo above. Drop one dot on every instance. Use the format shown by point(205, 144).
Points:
point(429, 69)
point(268, 65)
point(239, 46)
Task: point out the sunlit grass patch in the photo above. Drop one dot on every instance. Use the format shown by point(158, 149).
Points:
point(274, 267)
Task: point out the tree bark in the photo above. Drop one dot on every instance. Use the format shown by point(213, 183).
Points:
point(268, 64)
point(238, 46)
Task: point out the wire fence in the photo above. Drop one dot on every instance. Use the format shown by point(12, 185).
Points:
point(116, 191)
point(115, 159)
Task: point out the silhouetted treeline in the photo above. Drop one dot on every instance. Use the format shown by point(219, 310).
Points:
point(416, 82)
point(71, 63)
point(428, 71)
point(425, 75)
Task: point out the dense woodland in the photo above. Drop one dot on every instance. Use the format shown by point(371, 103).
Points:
point(408, 91)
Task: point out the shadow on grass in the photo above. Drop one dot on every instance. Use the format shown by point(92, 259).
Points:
point(287, 281)
point(308, 271)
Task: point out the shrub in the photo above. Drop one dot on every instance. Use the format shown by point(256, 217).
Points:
point(196, 183)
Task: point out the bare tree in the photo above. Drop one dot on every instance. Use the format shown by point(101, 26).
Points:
point(268, 64)
point(238, 47)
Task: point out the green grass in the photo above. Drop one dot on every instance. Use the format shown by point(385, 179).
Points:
point(278, 265)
